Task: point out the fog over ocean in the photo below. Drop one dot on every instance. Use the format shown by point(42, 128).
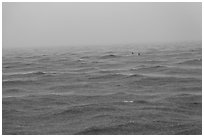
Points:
point(101, 68)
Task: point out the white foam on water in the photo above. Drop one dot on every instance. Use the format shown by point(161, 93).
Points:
point(128, 101)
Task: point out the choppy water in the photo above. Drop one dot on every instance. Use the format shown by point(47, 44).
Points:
point(103, 90)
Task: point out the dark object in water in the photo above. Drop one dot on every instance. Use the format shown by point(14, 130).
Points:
point(138, 54)
point(109, 56)
point(132, 52)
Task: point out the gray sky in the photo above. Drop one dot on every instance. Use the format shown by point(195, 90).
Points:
point(54, 24)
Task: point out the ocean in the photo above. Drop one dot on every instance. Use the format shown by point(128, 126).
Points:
point(105, 90)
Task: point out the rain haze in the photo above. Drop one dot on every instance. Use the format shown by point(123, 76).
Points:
point(55, 24)
point(102, 69)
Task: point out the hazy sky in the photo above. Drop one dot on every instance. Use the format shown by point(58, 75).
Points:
point(49, 24)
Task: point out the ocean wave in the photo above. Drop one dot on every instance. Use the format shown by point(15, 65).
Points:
point(29, 73)
point(85, 57)
point(184, 71)
point(131, 127)
point(14, 65)
point(152, 68)
point(173, 71)
point(109, 56)
point(85, 69)
point(135, 76)
point(13, 91)
point(107, 76)
point(191, 89)
point(191, 62)
point(37, 73)
point(163, 80)
point(18, 82)
point(69, 87)
point(92, 108)
point(152, 61)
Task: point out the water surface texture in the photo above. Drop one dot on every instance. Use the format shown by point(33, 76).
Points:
point(106, 90)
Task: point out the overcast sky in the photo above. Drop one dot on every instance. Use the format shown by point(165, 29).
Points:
point(54, 24)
